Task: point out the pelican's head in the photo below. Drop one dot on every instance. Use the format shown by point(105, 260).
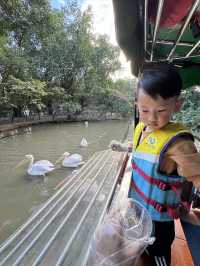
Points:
point(28, 158)
point(64, 155)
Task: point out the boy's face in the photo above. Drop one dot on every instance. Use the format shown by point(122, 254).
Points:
point(156, 113)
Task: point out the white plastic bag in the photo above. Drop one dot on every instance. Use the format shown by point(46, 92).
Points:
point(122, 236)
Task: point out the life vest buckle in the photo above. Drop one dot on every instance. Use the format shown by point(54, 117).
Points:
point(173, 211)
point(159, 207)
point(164, 186)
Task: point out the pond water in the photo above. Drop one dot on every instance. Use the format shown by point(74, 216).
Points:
point(20, 196)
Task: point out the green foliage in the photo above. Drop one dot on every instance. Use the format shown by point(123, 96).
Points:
point(54, 97)
point(51, 59)
point(189, 114)
point(4, 103)
point(72, 107)
point(20, 94)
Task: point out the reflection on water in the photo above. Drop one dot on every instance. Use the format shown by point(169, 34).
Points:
point(20, 196)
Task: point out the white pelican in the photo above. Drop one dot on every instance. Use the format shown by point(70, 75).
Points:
point(39, 168)
point(70, 160)
point(83, 143)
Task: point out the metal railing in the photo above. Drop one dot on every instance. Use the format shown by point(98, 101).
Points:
point(67, 221)
point(153, 41)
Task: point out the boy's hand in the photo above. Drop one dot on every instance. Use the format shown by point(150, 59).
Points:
point(118, 146)
point(192, 217)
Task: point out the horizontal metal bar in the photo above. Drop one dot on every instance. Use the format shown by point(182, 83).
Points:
point(21, 256)
point(49, 243)
point(170, 42)
point(173, 58)
point(32, 218)
point(109, 199)
point(69, 243)
point(16, 247)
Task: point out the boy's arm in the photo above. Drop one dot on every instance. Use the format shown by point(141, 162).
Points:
point(120, 147)
point(192, 217)
point(183, 156)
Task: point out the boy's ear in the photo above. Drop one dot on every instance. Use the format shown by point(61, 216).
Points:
point(178, 104)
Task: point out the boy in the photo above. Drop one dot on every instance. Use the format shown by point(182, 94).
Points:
point(164, 154)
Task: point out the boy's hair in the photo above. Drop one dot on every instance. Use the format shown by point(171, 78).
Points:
point(160, 80)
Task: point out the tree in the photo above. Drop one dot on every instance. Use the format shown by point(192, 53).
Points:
point(53, 47)
point(189, 114)
point(21, 95)
point(96, 78)
point(54, 98)
point(24, 24)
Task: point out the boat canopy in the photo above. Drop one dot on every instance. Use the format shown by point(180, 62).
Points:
point(160, 31)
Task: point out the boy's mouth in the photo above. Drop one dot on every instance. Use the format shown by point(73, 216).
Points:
point(152, 125)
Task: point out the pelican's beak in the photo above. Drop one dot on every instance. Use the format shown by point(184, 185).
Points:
point(21, 163)
point(59, 159)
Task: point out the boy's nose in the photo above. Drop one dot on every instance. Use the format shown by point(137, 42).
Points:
point(152, 117)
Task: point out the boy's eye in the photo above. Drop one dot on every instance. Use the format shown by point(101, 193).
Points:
point(162, 110)
point(145, 111)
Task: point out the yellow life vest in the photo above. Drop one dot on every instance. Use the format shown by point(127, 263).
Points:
point(155, 141)
point(154, 189)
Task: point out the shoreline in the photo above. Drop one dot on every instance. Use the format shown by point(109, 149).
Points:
point(12, 129)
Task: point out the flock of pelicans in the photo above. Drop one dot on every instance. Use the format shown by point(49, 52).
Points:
point(42, 167)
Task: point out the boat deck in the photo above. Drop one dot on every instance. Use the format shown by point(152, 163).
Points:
point(181, 255)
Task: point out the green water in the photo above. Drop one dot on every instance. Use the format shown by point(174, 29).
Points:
point(20, 196)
